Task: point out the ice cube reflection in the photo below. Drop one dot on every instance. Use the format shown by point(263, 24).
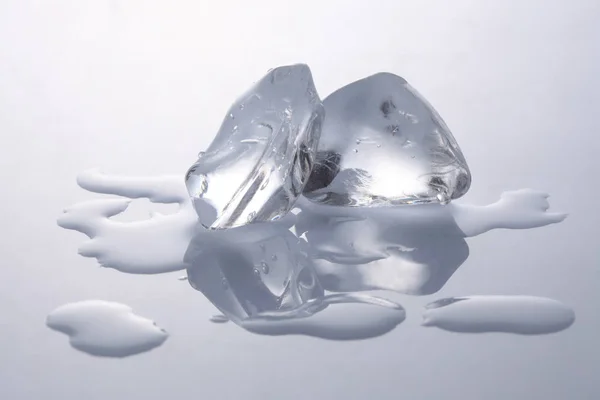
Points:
point(228, 267)
point(412, 250)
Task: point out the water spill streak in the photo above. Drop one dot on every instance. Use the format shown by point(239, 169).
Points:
point(525, 315)
point(516, 209)
point(106, 329)
point(334, 317)
point(150, 246)
point(158, 189)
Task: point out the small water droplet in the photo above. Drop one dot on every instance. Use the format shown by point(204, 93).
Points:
point(410, 117)
point(274, 257)
point(242, 106)
point(443, 198)
point(357, 141)
point(356, 150)
point(275, 218)
point(262, 246)
point(224, 283)
point(256, 273)
point(231, 116)
point(182, 278)
point(378, 145)
point(235, 128)
point(251, 141)
point(413, 157)
point(197, 185)
point(288, 112)
point(264, 184)
point(201, 154)
point(265, 267)
point(251, 216)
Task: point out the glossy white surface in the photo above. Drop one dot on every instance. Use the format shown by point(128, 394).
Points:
point(129, 86)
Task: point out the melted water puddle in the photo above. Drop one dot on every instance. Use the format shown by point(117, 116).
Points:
point(157, 245)
point(524, 315)
point(345, 249)
point(150, 246)
point(106, 329)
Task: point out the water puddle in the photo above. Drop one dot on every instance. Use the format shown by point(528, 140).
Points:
point(106, 329)
point(524, 315)
point(339, 317)
point(280, 278)
point(149, 246)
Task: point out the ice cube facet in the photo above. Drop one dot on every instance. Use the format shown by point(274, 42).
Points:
point(383, 143)
point(262, 156)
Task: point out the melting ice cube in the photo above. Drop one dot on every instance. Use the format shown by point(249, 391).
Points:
point(382, 143)
point(260, 160)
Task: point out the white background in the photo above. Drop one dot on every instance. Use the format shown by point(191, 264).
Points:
point(140, 86)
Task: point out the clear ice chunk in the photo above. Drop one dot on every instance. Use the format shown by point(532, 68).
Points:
point(262, 156)
point(382, 143)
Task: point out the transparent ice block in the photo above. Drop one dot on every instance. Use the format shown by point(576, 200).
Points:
point(383, 144)
point(260, 160)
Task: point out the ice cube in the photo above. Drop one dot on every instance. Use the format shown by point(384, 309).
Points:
point(260, 160)
point(252, 270)
point(383, 143)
